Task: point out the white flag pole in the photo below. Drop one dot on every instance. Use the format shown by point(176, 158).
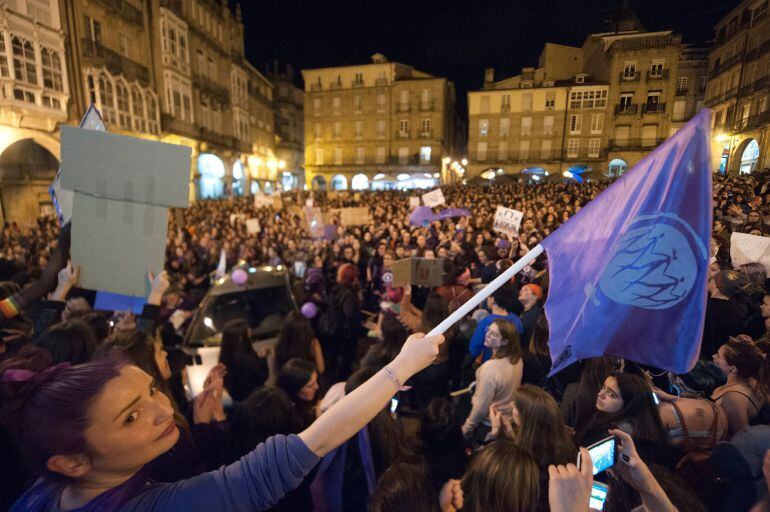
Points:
point(486, 291)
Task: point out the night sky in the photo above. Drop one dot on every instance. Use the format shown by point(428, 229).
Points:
point(456, 39)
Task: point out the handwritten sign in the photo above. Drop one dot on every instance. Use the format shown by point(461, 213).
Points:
point(750, 249)
point(433, 198)
point(507, 221)
point(262, 201)
point(354, 216)
point(253, 227)
point(414, 202)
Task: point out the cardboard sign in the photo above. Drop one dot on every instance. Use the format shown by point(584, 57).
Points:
point(750, 249)
point(433, 198)
point(236, 217)
point(507, 221)
point(315, 222)
point(123, 187)
point(277, 203)
point(354, 216)
point(414, 202)
point(263, 201)
point(418, 272)
point(253, 227)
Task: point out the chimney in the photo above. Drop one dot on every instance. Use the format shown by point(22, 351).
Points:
point(489, 75)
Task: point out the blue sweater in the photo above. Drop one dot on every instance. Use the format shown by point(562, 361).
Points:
point(255, 482)
point(476, 345)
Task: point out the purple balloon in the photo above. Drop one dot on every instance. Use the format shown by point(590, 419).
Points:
point(240, 276)
point(309, 310)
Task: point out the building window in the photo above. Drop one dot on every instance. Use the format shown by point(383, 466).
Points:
point(550, 100)
point(359, 129)
point(380, 155)
point(597, 123)
point(319, 156)
point(337, 130)
point(94, 31)
point(24, 60)
point(317, 106)
point(359, 80)
point(502, 151)
point(336, 105)
point(649, 134)
point(524, 149)
point(425, 127)
point(701, 84)
point(484, 105)
point(337, 156)
point(626, 100)
point(505, 103)
point(51, 102)
point(403, 155)
point(573, 145)
point(656, 69)
point(4, 72)
point(526, 101)
point(593, 147)
point(23, 95)
point(124, 111)
point(545, 149)
point(380, 103)
point(106, 99)
point(575, 100)
point(505, 124)
point(137, 107)
point(360, 155)
point(681, 84)
point(483, 127)
point(425, 154)
point(526, 126)
point(380, 128)
point(425, 103)
point(51, 69)
point(357, 103)
point(403, 128)
point(481, 151)
point(548, 125)
point(629, 70)
point(152, 113)
point(575, 123)
point(212, 69)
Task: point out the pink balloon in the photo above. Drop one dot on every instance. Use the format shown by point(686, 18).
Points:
point(309, 310)
point(240, 276)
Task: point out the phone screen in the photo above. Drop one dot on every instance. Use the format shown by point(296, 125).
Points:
point(602, 455)
point(598, 496)
point(393, 405)
point(655, 399)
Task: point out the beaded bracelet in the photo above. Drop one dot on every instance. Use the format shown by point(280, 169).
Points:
point(392, 376)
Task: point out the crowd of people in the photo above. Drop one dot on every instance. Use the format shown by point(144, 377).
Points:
point(353, 408)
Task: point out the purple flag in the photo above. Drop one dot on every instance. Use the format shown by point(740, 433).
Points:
point(421, 216)
point(628, 273)
point(452, 212)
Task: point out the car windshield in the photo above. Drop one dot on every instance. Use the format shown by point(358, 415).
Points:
point(263, 308)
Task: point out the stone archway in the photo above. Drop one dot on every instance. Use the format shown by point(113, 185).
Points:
point(27, 169)
point(318, 183)
point(745, 157)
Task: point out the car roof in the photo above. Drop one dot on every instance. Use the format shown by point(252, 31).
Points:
point(258, 277)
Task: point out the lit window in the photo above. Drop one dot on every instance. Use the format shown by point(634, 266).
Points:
point(52, 78)
point(24, 60)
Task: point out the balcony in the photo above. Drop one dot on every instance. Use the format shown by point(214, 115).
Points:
point(653, 108)
point(629, 77)
point(124, 10)
point(380, 82)
point(720, 67)
point(356, 83)
point(751, 122)
point(635, 144)
point(428, 134)
point(657, 74)
point(402, 107)
point(212, 88)
point(215, 138)
point(316, 87)
point(115, 62)
point(626, 108)
point(426, 106)
point(174, 6)
point(402, 134)
point(681, 92)
point(334, 86)
point(758, 51)
point(505, 107)
point(170, 124)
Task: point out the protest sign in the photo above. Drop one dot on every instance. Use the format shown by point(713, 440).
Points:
point(123, 187)
point(418, 272)
point(277, 203)
point(263, 201)
point(750, 249)
point(253, 227)
point(414, 202)
point(507, 221)
point(433, 198)
point(309, 202)
point(354, 216)
point(315, 223)
point(236, 217)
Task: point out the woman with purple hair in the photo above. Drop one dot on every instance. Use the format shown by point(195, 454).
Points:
point(91, 429)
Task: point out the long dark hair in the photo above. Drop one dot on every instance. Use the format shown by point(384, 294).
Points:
point(543, 433)
point(639, 411)
point(236, 343)
point(394, 335)
point(293, 376)
point(71, 341)
point(538, 342)
point(512, 349)
point(750, 363)
point(295, 340)
point(595, 371)
point(404, 487)
point(435, 311)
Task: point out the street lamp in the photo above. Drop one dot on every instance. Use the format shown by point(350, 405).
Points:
point(464, 161)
